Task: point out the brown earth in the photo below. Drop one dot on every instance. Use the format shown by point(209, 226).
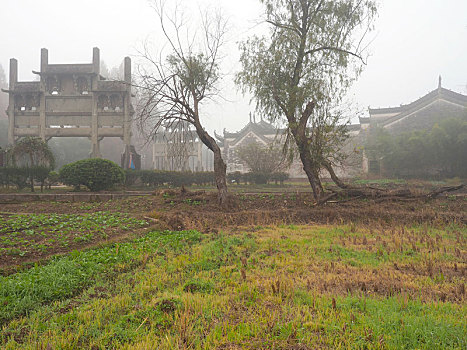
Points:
point(177, 210)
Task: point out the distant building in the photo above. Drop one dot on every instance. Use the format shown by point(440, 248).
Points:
point(172, 151)
point(261, 133)
point(264, 134)
point(421, 114)
point(72, 100)
point(178, 148)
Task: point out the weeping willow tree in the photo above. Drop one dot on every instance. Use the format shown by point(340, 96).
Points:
point(300, 72)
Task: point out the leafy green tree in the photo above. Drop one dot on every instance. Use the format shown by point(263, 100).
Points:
point(437, 152)
point(34, 154)
point(301, 70)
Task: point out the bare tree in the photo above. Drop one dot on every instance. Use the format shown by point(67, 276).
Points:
point(266, 159)
point(174, 88)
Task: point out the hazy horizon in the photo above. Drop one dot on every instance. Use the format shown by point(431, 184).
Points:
point(414, 42)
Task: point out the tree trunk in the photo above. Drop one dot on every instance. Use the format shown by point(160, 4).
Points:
point(334, 177)
point(305, 156)
point(310, 172)
point(31, 180)
point(220, 169)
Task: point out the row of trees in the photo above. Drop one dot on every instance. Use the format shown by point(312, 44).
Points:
point(438, 152)
point(298, 74)
point(24, 177)
point(29, 160)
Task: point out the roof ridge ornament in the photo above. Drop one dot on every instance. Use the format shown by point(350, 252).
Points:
point(439, 82)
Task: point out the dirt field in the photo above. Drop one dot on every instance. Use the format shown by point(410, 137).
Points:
point(84, 225)
point(271, 271)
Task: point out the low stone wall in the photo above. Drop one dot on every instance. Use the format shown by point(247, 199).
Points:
point(64, 197)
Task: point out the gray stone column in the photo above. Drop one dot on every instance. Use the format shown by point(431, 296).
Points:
point(95, 144)
point(42, 107)
point(11, 106)
point(127, 103)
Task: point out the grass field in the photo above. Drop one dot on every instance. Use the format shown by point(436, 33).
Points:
point(270, 287)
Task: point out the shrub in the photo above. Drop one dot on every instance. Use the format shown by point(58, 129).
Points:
point(96, 174)
point(155, 178)
point(258, 178)
point(132, 176)
point(236, 177)
point(15, 176)
point(279, 177)
point(40, 174)
point(53, 179)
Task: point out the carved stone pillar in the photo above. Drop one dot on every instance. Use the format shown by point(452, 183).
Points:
point(11, 106)
point(95, 144)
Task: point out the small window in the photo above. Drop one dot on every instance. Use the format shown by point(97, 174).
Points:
point(55, 92)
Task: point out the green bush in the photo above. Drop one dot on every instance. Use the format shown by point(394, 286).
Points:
point(53, 178)
point(235, 177)
point(132, 176)
point(279, 177)
point(258, 178)
point(96, 174)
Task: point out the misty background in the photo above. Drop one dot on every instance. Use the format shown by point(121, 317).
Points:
point(415, 41)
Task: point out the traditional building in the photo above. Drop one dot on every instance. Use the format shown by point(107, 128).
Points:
point(421, 114)
point(72, 100)
point(173, 152)
point(261, 133)
point(265, 134)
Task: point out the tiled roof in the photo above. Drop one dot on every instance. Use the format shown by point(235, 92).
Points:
point(431, 97)
point(421, 102)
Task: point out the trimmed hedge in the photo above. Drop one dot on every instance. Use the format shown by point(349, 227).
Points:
point(95, 173)
point(257, 178)
point(155, 178)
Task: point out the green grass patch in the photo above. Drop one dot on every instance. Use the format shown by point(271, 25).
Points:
point(65, 276)
point(278, 288)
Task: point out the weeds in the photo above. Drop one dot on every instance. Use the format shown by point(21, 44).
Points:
point(320, 287)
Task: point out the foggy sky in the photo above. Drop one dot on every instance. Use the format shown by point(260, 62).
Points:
point(414, 42)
